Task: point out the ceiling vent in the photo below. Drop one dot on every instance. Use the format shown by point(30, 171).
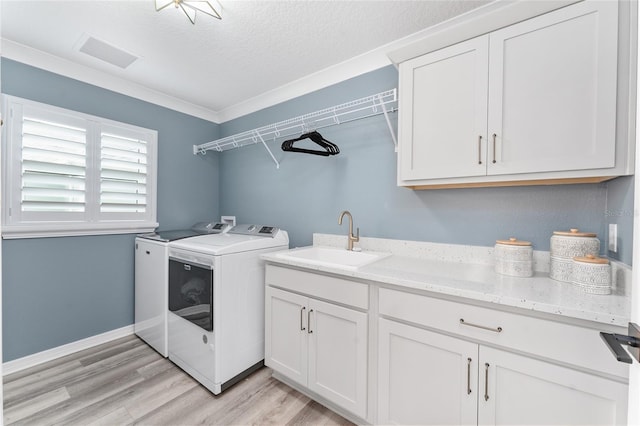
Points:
point(106, 52)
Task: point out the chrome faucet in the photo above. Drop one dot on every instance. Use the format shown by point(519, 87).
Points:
point(350, 238)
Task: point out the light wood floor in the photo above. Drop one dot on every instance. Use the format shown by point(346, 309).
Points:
point(126, 382)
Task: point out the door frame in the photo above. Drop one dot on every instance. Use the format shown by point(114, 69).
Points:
point(633, 417)
point(1, 361)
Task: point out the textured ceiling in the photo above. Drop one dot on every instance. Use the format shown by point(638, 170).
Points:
point(257, 47)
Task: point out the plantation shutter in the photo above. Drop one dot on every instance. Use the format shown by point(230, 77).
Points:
point(53, 166)
point(68, 173)
point(123, 174)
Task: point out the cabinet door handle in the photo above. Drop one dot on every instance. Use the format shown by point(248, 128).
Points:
point(496, 329)
point(468, 376)
point(301, 318)
point(494, 148)
point(615, 342)
point(480, 149)
point(309, 321)
point(486, 381)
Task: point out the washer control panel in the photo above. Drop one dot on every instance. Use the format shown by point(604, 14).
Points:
point(258, 230)
point(211, 227)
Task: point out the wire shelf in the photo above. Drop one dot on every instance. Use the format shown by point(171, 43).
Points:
point(343, 113)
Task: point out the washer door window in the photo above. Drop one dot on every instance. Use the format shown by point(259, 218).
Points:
point(191, 292)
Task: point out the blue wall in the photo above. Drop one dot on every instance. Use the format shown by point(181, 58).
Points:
point(59, 290)
point(308, 192)
point(620, 211)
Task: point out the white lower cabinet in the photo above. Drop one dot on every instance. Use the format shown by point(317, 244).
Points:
point(516, 389)
point(425, 377)
point(388, 356)
point(285, 334)
point(319, 345)
point(428, 378)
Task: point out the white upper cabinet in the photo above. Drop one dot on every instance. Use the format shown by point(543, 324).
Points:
point(552, 91)
point(534, 101)
point(444, 112)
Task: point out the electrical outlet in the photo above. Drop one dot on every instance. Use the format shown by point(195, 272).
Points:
point(613, 237)
point(231, 220)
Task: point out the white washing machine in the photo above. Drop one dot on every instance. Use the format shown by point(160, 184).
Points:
point(216, 303)
point(151, 280)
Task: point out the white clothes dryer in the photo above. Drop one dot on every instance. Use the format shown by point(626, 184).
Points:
point(216, 303)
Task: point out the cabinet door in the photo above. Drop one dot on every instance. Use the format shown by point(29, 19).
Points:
point(286, 334)
point(151, 294)
point(425, 378)
point(552, 91)
point(338, 355)
point(443, 107)
point(519, 390)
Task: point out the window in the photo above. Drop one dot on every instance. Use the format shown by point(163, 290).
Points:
point(68, 173)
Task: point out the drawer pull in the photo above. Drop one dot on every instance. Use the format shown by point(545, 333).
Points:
point(302, 328)
point(486, 381)
point(496, 329)
point(468, 376)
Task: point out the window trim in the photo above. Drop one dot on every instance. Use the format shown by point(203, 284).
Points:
point(93, 222)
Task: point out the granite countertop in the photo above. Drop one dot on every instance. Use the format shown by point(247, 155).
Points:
point(468, 273)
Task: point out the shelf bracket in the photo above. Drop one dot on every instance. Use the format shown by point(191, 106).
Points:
point(259, 136)
point(386, 117)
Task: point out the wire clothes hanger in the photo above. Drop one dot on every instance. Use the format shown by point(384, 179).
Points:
point(329, 147)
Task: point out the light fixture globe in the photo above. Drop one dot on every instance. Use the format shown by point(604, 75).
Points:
point(191, 7)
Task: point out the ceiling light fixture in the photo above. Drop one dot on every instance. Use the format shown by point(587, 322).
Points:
point(191, 7)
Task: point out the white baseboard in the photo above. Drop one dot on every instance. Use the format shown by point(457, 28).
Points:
point(60, 351)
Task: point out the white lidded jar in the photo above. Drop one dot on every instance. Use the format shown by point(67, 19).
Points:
point(565, 245)
point(514, 257)
point(592, 274)
point(561, 269)
point(573, 243)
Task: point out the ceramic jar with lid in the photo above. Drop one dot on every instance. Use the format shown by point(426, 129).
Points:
point(514, 257)
point(565, 245)
point(592, 274)
point(573, 243)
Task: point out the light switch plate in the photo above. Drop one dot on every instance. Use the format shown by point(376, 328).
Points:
point(613, 237)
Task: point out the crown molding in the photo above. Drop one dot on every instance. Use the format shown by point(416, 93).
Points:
point(57, 65)
point(474, 22)
point(477, 21)
point(326, 77)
